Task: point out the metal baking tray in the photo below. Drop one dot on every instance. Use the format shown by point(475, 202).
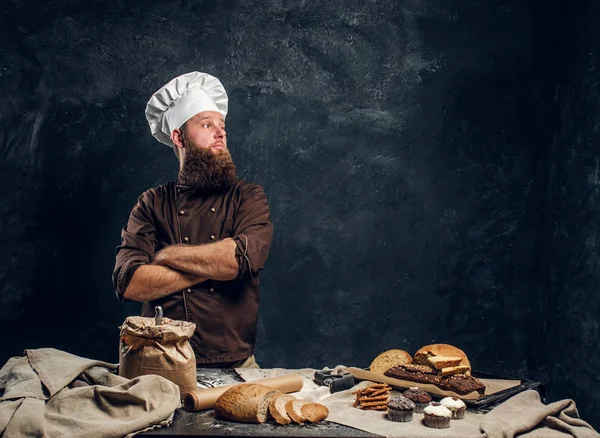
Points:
point(486, 403)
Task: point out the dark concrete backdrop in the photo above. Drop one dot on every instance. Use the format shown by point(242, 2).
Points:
point(431, 168)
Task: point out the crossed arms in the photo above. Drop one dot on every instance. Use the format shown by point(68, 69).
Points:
point(177, 267)
point(143, 274)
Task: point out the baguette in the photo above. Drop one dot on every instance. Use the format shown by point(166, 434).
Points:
point(246, 403)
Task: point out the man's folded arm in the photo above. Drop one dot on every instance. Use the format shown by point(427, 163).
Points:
point(215, 261)
point(134, 278)
point(241, 256)
point(150, 282)
point(253, 231)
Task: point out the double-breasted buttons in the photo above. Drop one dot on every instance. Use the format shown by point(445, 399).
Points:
point(213, 209)
point(212, 237)
point(188, 290)
point(181, 213)
point(186, 239)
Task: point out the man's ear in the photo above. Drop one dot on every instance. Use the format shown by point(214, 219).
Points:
point(177, 138)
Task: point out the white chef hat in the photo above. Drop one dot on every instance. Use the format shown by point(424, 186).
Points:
point(180, 100)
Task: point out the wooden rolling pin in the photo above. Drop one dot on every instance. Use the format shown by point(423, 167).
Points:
point(205, 398)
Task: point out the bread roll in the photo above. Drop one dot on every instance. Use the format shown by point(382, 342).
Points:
point(277, 408)
point(446, 350)
point(314, 412)
point(389, 359)
point(246, 403)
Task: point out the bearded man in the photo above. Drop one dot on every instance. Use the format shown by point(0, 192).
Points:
point(195, 246)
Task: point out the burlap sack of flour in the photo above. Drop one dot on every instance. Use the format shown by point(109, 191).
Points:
point(163, 349)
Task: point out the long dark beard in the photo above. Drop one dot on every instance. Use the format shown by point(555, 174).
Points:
point(207, 171)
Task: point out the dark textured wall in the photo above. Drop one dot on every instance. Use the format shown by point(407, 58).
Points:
point(571, 280)
point(405, 148)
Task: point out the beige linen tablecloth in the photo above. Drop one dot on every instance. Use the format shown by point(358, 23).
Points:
point(523, 413)
point(50, 393)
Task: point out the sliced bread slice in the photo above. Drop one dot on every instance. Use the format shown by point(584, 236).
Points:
point(440, 362)
point(294, 410)
point(454, 370)
point(277, 408)
point(266, 402)
point(444, 350)
point(314, 412)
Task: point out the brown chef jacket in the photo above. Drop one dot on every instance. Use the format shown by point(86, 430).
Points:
point(225, 312)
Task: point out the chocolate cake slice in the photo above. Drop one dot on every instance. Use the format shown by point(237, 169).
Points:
point(463, 384)
point(459, 383)
point(415, 375)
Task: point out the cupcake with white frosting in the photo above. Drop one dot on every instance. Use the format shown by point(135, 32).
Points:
point(456, 406)
point(437, 416)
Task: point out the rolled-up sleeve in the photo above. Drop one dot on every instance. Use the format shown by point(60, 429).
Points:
point(138, 243)
point(253, 232)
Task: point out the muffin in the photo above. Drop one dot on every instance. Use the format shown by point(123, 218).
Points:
point(419, 397)
point(437, 416)
point(456, 406)
point(400, 409)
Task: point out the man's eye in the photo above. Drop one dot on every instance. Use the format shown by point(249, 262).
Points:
point(206, 125)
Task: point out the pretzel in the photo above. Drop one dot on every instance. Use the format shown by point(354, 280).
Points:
point(370, 399)
point(374, 396)
point(381, 391)
point(379, 385)
point(375, 408)
point(374, 403)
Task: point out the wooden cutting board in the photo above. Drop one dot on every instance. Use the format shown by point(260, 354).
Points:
point(492, 386)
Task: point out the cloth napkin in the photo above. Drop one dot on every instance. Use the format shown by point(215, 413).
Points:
point(525, 414)
point(51, 393)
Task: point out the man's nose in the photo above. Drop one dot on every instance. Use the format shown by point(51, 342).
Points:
point(220, 132)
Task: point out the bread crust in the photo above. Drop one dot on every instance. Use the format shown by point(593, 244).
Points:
point(246, 403)
point(447, 350)
point(389, 359)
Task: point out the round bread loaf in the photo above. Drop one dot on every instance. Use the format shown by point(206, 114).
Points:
point(447, 350)
point(246, 403)
point(389, 359)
